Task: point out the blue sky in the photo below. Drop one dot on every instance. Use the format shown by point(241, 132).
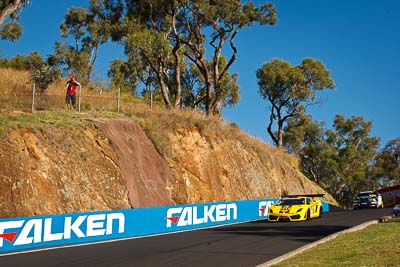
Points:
point(358, 41)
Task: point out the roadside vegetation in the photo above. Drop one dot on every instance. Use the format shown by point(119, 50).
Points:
point(376, 245)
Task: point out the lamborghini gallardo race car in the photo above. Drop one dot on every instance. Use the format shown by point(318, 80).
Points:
point(296, 208)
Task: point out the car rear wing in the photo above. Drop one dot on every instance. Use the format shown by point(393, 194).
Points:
point(305, 195)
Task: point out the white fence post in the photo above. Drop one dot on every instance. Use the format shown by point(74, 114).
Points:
point(151, 101)
point(33, 97)
point(79, 99)
point(119, 98)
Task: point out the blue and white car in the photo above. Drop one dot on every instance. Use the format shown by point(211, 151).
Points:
point(368, 199)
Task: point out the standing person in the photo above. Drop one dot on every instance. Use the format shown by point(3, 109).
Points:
point(70, 97)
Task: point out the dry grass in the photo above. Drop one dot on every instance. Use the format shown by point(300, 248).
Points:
point(17, 94)
point(15, 82)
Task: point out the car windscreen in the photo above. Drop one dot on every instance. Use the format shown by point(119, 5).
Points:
point(397, 207)
point(290, 201)
point(366, 195)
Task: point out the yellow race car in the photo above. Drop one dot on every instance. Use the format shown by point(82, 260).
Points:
point(296, 208)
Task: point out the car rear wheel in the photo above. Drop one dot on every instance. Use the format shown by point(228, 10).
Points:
point(308, 215)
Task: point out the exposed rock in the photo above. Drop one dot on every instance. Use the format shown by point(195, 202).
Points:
point(145, 171)
point(208, 170)
point(58, 170)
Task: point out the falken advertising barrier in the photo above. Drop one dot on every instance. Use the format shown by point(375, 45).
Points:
point(66, 229)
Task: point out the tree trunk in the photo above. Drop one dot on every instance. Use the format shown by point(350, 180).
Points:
point(280, 134)
point(269, 128)
point(164, 89)
point(178, 63)
point(9, 9)
point(178, 93)
point(216, 108)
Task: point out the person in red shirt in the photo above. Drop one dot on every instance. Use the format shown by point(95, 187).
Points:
point(70, 97)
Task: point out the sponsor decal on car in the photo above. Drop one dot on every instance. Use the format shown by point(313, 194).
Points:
point(41, 230)
point(194, 215)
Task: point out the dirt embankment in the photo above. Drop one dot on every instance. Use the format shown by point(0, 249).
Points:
point(111, 164)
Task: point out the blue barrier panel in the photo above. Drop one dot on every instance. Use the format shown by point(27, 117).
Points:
point(325, 206)
point(56, 230)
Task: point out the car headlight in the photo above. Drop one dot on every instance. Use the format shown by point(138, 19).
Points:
point(270, 211)
point(299, 210)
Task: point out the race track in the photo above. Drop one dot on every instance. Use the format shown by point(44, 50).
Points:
point(246, 244)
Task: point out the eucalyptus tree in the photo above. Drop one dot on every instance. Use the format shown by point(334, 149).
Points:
point(153, 50)
point(218, 23)
point(153, 34)
point(170, 36)
point(194, 90)
point(290, 90)
point(89, 28)
point(355, 150)
point(11, 30)
point(121, 76)
point(338, 159)
point(306, 138)
point(386, 167)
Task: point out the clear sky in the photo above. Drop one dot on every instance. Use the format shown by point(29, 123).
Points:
point(358, 41)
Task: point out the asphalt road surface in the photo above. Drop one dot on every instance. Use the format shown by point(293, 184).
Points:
point(246, 244)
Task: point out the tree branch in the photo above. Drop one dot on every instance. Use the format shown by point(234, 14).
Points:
point(7, 10)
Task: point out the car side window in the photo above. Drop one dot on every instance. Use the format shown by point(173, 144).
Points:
point(308, 201)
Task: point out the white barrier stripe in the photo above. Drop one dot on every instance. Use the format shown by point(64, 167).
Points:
point(119, 239)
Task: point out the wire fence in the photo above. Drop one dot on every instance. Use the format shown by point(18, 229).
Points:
point(37, 100)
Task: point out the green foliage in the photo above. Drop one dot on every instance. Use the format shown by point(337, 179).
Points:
point(42, 73)
point(386, 166)
point(19, 62)
point(194, 89)
point(337, 159)
point(89, 28)
point(122, 76)
point(74, 24)
point(290, 89)
point(11, 30)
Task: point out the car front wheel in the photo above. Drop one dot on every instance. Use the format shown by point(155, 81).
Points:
point(320, 212)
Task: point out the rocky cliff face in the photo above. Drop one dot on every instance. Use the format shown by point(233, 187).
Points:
point(58, 170)
point(111, 164)
point(217, 169)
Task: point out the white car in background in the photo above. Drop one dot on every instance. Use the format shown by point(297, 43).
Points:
point(368, 199)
